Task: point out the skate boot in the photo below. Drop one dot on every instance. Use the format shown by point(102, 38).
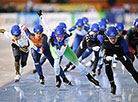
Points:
point(34, 71)
point(58, 81)
point(21, 70)
point(90, 78)
point(65, 80)
point(93, 72)
point(42, 81)
point(71, 68)
point(89, 64)
point(99, 71)
point(113, 89)
point(66, 67)
point(17, 78)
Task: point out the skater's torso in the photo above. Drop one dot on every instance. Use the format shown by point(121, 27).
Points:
point(37, 42)
point(91, 40)
point(22, 42)
point(119, 48)
point(82, 32)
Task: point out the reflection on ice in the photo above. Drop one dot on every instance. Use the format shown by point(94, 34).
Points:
point(30, 90)
point(20, 93)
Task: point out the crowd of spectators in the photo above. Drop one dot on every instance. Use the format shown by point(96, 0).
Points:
point(32, 7)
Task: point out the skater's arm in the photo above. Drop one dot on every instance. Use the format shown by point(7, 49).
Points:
point(6, 33)
point(124, 45)
point(27, 32)
point(49, 30)
point(72, 28)
point(100, 38)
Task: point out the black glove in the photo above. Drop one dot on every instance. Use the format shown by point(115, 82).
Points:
point(131, 56)
point(52, 41)
point(70, 34)
point(14, 46)
point(2, 30)
point(124, 32)
point(39, 12)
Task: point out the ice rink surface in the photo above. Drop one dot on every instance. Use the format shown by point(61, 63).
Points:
point(30, 90)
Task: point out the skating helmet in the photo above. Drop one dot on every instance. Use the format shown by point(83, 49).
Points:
point(136, 22)
point(38, 28)
point(105, 20)
point(119, 26)
point(79, 23)
point(62, 24)
point(112, 32)
point(102, 25)
point(59, 31)
point(85, 20)
point(95, 27)
point(15, 30)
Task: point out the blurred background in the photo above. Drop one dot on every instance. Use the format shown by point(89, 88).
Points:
point(24, 11)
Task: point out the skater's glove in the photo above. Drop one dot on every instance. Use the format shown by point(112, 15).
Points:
point(39, 51)
point(109, 58)
point(121, 58)
point(14, 46)
point(24, 49)
point(2, 30)
point(130, 55)
point(96, 48)
point(39, 12)
point(70, 34)
point(52, 41)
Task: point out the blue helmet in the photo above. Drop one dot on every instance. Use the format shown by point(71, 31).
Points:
point(119, 26)
point(85, 20)
point(59, 30)
point(95, 27)
point(102, 25)
point(62, 24)
point(112, 32)
point(136, 22)
point(79, 23)
point(38, 28)
point(15, 30)
point(104, 20)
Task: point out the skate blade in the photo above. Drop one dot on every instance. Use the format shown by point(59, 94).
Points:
point(16, 81)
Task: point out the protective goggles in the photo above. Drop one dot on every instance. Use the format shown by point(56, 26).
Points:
point(38, 32)
point(114, 37)
point(60, 36)
point(16, 35)
point(95, 32)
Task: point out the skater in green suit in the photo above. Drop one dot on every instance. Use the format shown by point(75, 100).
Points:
point(59, 47)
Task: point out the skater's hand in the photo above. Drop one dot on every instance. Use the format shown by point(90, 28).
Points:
point(39, 12)
point(24, 49)
point(2, 30)
point(39, 50)
point(70, 34)
point(109, 58)
point(96, 48)
point(14, 46)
